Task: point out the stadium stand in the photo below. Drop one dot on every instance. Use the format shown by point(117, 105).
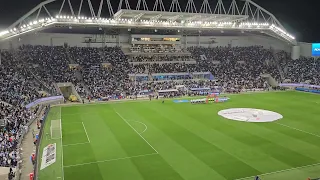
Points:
point(29, 72)
point(106, 74)
point(232, 67)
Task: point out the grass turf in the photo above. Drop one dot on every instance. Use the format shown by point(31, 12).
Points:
point(155, 141)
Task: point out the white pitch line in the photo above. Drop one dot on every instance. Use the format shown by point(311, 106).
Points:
point(135, 131)
point(316, 135)
point(61, 144)
point(85, 132)
point(71, 122)
point(76, 144)
point(284, 170)
point(146, 127)
point(108, 160)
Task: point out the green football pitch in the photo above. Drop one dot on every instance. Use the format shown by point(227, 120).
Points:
point(151, 140)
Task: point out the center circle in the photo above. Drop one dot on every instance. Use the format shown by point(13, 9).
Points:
point(250, 115)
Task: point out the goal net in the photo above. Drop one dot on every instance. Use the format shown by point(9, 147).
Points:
point(55, 129)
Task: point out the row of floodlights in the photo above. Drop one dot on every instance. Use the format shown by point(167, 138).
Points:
point(195, 23)
point(82, 18)
point(131, 20)
point(277, 29)
point(28, 26)
point(254, 24)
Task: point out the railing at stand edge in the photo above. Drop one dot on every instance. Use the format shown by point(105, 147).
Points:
point(38, 143)
point(298, 85)
point(19, 163)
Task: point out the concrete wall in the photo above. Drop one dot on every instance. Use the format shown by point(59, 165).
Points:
point(57, 39)
point(81, 40)
point(242, 41)
point(305, 49)
point(295, 52)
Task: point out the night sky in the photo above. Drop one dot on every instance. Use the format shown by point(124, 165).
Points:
point(298, 17)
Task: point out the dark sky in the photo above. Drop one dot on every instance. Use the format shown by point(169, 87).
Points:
point(298, 17)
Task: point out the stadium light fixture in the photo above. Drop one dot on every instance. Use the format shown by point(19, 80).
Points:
point(3, 33)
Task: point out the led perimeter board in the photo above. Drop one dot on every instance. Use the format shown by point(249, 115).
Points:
point(316, 49)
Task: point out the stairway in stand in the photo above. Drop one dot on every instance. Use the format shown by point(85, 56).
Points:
point(77, 73)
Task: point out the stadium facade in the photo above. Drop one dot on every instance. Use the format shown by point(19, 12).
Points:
point(242, 23)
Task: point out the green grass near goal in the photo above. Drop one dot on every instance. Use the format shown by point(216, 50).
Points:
point(155, 141)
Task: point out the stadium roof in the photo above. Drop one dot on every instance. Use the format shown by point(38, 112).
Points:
point(176, 16)
point(248, 18)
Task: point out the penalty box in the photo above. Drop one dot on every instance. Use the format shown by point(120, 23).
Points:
point(112, 140)
point(74, 133)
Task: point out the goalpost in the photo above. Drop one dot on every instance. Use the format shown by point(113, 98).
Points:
point(55, 129)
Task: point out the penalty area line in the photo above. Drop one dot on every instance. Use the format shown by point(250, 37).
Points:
point(75, 144)
point(316, 135)
point(145, 126)
point(135, 131)
point(85, 132)
point(108, 160)
point(284, 170)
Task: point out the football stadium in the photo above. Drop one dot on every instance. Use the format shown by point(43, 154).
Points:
point(151, 90)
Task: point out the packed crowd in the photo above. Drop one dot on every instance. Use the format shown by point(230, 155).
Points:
point(238, 66)
point(303, 70)
point(159, 58)
point(16, 87)
point(49, 64)
point(163, 68)
point(86, 56)
point(156, 48)
point(233, 67)
point(110, 79)
point(17, 120)
point(105, 70)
